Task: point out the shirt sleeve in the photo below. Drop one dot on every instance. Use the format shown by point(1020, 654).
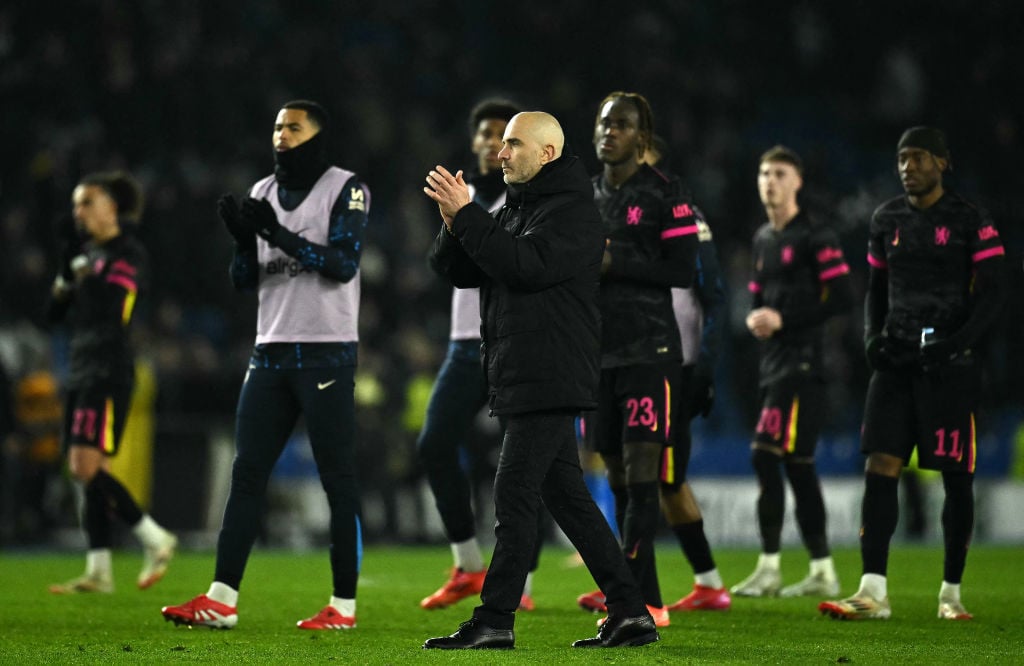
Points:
point(756, 284)
point(988, 288)
point(711, 292)
point(245, 268)
point(678, 244)
point(836, 293)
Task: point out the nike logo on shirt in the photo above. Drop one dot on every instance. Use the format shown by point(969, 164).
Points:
point(323, 385)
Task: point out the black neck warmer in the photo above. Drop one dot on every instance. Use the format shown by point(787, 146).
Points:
point(300, 167)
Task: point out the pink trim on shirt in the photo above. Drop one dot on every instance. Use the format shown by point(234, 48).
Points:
point(123, 266)
point(123, 281)
point(835, 271)
point(876, 262)
point(679, 231)
point(989, 253)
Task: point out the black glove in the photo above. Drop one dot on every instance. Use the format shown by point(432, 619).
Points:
point(227, 210)
point(259, 216)
point(702, 397)
point(886, 354)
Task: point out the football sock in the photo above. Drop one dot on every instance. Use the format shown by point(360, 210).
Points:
point(711, 579)
point(810, 507)
point(97, 563)
point(222, 593)
point(957, 523)
point(825, 567)
point(96, 519)
point(879, 514)
point(771, 502)
point(641, 524)
point(346, 607)
point(621, 502)
point(118, 497)
point(467, 555)
point(148, 531)
point(874, 586)
point(695, 545)
point(949, 592)
point(769, 561)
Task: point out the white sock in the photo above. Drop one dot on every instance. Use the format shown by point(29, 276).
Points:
point(467, 555)
point(528, 585)
point(224, 594)
point(825, 567)
point(711, 579)
point(769, 561)
point(346, 607)
point(949, 592)
point(874, 586)
point(97, 563)
point(148, 531)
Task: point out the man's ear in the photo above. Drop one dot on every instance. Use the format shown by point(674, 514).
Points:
point(547, 154)
point(944, 164)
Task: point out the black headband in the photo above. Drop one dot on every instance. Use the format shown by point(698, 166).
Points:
point(926, 138)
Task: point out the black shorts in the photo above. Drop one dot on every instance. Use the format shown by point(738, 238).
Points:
point(933, 412)
point(792, 415)
point(636, 403)
point(96, 417)
point(675, 464)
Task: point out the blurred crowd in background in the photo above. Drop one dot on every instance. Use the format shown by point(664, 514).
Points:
point(183, 95)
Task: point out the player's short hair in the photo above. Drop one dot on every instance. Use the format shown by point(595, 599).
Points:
point(643, 110)
point(497, 108)
point(780, 153)
point(123, 189)
point(317, 113)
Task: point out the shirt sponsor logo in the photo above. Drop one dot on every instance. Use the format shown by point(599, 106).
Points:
point(633, 214)
point(356, 199)
point(288, 267)
point(987, 232)
point(828, 254)
point(941, 235)
point(682, 210)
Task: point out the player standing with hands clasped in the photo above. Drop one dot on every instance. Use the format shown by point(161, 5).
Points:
point(298, 238)
point(935, 289)
point(800, 280)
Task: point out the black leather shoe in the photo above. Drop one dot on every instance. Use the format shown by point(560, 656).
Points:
point(622, 632)
point(475, 635)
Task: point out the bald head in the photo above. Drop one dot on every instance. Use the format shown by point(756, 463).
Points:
point(532, 139)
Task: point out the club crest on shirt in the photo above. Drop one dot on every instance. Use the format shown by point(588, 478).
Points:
point(633, 214)
point(941, 235)
point(787, 255)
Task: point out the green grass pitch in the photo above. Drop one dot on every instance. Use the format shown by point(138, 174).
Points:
point(282, 587)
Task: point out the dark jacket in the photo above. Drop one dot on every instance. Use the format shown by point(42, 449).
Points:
point(538, 270)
